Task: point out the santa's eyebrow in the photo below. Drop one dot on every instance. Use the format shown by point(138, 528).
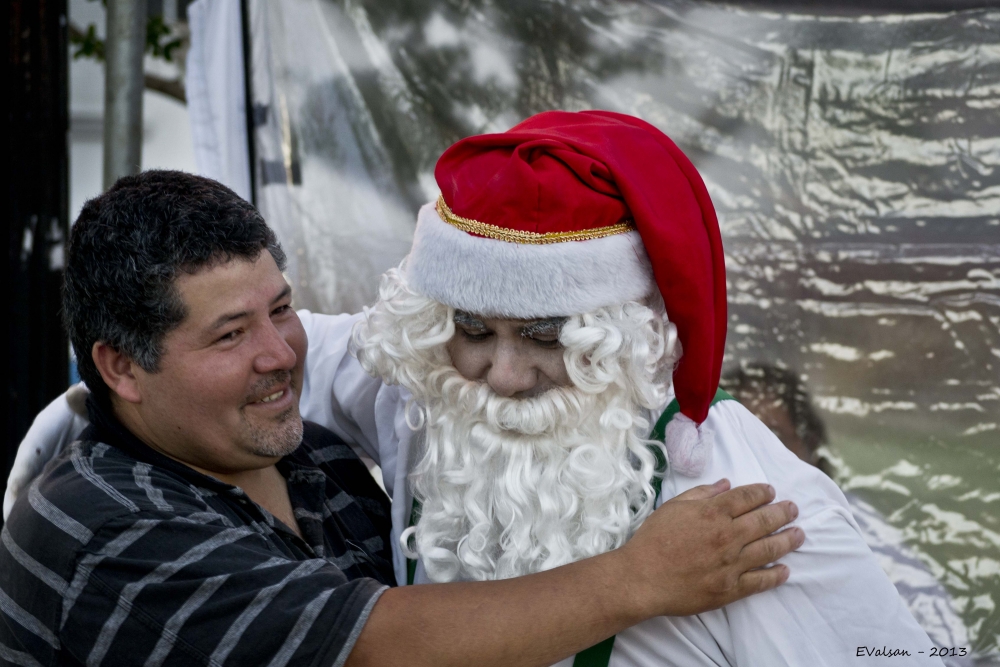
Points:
point(548, 326)
point(464, 319)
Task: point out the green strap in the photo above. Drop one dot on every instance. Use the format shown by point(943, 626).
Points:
point(411, 563)
point(599, 655)
point(660, 431)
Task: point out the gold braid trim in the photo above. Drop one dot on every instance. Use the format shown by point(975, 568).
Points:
point(514, 236)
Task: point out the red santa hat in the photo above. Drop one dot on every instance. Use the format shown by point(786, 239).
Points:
point(568, 212)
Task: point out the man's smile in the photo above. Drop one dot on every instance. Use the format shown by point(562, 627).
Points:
point(276, 395)
point(278, 398)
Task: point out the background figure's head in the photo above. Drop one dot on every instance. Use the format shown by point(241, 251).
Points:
point(778, 397)
point(178, 312)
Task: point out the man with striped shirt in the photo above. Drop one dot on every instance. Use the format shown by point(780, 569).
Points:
point(187, 525)
point(198, 521)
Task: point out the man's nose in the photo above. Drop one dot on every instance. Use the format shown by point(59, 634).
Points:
point(511, 372)
point(274, 354)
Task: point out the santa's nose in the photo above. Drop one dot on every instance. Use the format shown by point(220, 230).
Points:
point(512, 374)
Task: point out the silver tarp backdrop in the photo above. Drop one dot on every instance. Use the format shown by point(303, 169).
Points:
point(854, 162)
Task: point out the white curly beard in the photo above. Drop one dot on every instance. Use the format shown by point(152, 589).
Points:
point(514, 486)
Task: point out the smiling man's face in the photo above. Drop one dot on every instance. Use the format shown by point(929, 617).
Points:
point(226, 396)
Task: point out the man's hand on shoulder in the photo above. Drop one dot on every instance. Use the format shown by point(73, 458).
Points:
point(710, 546)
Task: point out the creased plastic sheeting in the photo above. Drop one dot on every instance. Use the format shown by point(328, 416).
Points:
point(854, 165)
point(325, 178)
point(216, 97)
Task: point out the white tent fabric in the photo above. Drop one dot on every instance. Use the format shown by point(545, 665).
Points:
point(216, 93)
point(330, 196)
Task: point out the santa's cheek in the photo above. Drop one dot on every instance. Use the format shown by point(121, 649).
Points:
point(553, 366)
point(472, 361)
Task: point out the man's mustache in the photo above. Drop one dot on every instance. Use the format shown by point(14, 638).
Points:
point(268, 385)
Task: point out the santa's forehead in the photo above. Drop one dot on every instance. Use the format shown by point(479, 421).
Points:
point(464, 317)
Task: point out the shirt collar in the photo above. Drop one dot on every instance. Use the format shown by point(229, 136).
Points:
point(105, 427)
point(297, 467)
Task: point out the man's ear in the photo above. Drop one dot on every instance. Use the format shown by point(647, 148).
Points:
point(117, 370)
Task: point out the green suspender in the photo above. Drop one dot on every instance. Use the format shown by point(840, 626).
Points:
point(411, 563)
point(599, 655)
point(660, 431)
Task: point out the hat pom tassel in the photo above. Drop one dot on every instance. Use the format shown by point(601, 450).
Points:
point(689, 446)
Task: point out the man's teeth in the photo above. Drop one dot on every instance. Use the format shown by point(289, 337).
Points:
point(273, 397)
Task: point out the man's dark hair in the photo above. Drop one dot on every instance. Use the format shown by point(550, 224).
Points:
point(128, 246)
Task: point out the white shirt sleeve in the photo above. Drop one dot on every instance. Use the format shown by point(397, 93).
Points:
point(336, 392)
point(53, 428)
point(838, 607)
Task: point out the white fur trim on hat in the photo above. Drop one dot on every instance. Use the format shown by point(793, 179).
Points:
point(502, 279)
point(689, 446)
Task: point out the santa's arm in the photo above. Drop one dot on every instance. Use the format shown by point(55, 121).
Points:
point(59, 423)
point(838, 606)
point(337, 393)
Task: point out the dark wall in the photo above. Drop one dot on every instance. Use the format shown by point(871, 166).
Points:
point(35, 207)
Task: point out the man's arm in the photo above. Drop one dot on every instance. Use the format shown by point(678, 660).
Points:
point(697, 552)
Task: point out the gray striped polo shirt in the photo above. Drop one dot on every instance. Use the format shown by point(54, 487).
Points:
point(118, 555)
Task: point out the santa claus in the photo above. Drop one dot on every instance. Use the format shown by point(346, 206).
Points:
point(541, 372)
point(552, 341)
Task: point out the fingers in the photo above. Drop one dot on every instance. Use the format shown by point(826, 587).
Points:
point(703, 492)
point(758, 581)
point(765, 520)
point(769, 549)
point(743, 499)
